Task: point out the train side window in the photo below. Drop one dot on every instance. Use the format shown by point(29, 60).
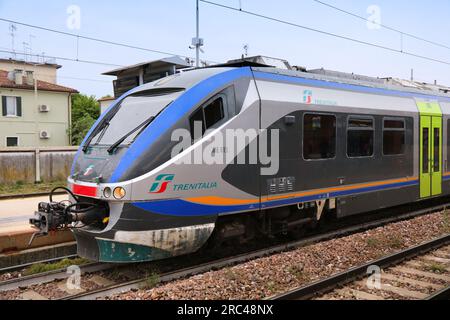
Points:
point(319, 137)
point(393, 137)
point(214, 112)
point(360, 137)
point(197, 121)
point(209, 115)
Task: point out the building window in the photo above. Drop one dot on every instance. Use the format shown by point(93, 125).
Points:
point(360, 136)
point(12, 141)
point(393, 137)
point(11, 106)
point(319, 137)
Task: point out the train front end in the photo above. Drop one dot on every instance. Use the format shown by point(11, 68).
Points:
point(123, 205)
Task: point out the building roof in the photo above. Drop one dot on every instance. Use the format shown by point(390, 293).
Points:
point(23, 62)
point(106, 99)
point(175, 60)
point(41, 85)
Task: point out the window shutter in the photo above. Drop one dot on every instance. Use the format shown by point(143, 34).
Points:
point(19, 106)
point(4, 106)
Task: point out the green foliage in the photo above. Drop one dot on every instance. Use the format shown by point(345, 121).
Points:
point(45, 267)
point(85, 111)
point(151, 281)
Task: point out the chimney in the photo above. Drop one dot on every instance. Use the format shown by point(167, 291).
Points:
point(11, 76)
point(30, 78)
point(18, 77)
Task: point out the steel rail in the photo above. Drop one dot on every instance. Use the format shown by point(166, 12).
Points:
point(49, 276)
point(226, 262)
point(326, 285)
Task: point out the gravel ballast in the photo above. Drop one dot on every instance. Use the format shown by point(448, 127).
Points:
point(265, 277)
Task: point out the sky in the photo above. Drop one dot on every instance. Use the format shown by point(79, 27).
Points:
point(169, 25)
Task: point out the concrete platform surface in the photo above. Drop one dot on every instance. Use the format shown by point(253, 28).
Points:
point(15, 231)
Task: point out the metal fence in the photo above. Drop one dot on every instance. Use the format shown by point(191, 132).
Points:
point(35, 164)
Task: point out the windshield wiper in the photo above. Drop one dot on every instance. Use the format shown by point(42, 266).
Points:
point(140, 127)
point(102, 128)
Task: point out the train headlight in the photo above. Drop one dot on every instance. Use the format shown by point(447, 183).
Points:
point(119, 193)
point(107, 192)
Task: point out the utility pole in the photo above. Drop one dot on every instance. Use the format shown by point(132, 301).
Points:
point(197, 45)
point(197, 42)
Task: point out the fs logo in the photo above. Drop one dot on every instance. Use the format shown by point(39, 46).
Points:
point(161, 183)
point(307, 96)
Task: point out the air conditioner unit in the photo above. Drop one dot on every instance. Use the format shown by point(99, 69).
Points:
point(44, 108)
point(44, 134)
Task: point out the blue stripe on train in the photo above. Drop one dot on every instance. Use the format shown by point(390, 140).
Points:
point(182, 208)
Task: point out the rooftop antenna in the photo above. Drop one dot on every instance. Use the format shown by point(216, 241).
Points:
point(246, 50)
point(26, 49)
point(13, 29)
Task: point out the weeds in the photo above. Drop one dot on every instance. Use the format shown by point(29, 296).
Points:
point(46, 267)
point(151, 281)
point(436, 267)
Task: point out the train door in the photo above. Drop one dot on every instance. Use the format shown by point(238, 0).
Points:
point(430, 149)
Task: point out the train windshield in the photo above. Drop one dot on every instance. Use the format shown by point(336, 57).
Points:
point(120, 123)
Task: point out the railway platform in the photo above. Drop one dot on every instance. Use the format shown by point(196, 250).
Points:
point(15, 231)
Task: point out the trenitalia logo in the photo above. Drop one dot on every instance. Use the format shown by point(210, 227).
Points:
point(161, 183)
point(307, 96)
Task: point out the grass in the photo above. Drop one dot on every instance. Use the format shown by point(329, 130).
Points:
point(436, 268)
point(230, 274)
point(393, 242)
point(151, 281)
point(373, 242)
point(272, 287)
point(21, 187)
point(298, 272)
point(45, 267)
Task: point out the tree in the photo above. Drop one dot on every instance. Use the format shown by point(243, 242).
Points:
point(85, 111)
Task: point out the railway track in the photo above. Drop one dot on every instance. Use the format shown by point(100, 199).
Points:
point(404, 275)
point(101, 286)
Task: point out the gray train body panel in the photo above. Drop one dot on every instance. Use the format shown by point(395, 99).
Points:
point(172, 205)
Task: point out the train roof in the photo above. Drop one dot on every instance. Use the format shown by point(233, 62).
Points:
point(188, 78)
point(359, 80)
point(185, 79)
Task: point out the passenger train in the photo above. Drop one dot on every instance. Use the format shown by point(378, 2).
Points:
point(347, 146)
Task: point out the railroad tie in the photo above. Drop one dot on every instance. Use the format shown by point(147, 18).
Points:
point(351, 294)
point(400, 291)
point(32, 295)
point(402, 279)
point(419, 265)
point(422, 273)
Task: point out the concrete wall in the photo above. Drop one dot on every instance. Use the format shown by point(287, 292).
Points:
point(27, 127)
point(19, 164)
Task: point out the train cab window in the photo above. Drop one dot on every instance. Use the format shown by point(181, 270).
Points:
point(214, 112)
point(393, 137)
point(319, 137)
point(360, 136)
point(209, 116)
